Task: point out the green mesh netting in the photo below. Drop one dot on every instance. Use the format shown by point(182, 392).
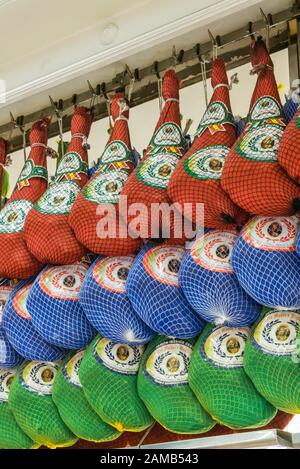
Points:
point(108, 374)
point(31, 402)
point(217, 377)
point(271, 359)
point(74, 408)
point(11, 435)
point(163, 386)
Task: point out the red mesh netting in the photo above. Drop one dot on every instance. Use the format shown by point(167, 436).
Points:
point(252, 175)
point(147, 185)
point(289, 148)
point(48, 234)
point(196, 178)
point(101, 194)
point(16, 261)
point(159, 435)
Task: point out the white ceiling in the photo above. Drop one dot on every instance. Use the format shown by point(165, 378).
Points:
point(53, 46)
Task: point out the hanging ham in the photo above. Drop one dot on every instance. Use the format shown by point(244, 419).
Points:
point(252, 175)
point(197, 177)
point(47, 232)
point(16, 260)
point(103, 191)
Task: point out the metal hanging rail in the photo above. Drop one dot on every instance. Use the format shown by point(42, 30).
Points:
point(233, 48)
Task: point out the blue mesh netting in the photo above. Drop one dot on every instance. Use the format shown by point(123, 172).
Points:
point(161, 305)
point(240, 125)
point(9, 358)
point(53, 304)
point(268, 273)
point(289, 109)
point(20, 331)
point(211, 288)
point(106, 304)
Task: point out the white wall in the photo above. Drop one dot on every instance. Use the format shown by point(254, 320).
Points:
point(143, 118)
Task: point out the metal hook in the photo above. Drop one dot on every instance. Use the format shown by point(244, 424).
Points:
point(203, 71)
point(250, 30)
point(155, 70)
point(19, 124)
point(216, 42)
point(58, 108)
point(94, 94)
point(159, 84)
point(74, 100)
point(132, 80)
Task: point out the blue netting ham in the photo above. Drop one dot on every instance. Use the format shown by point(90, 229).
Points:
point(265, 261)
point(106, 305)
point(153, 289)
point(9, 357)
point(19, 329)
point(96, 209)
point(49, 216)
point(16, 260)
point(209, 284)
point(53, 305)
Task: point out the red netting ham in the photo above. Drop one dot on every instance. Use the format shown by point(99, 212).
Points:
point(48, 234)
point(289, 148)
point(98, 200)
point(252, 175)
point(148, 183)
point(16, 261)
point(197, 177)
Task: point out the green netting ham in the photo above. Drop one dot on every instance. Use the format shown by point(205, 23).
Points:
point(149, 181)
point(289, 148)
point(47, 232)
point(197, 177)
point(96, 207)
point(271, 358)
point(108, 374)
point(11, 435)
point(163, 386)
point(252, 175)
point(16, 260)
point(74, 408)
point(30, 399)
point(217, 377)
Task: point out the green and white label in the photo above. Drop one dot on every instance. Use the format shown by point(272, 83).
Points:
point(39, 377)
point(105, 188)
point(225, 346)
point(59, 198)
point(265, 108)
point(168, 135)
point(156, 170)
point(13, 216)
point(277, 332)
point(207, 163)
point(261, 143)
point(6, 377)
point(31, 170)
point(71, 163)
point(115, 151)
point(168, 364)
point(121, 358)
point(216, 113)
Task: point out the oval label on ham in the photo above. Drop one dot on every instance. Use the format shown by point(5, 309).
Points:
point(71, 369)
point(111, 272)
point(59, 198)
point(115, 151)
point(39, 377)
point(207, 163)
point(105, 188)
point(213, 251)
point(272, 233)
point(277, 332)
point(157, 169)
point(19, 302)
point(225, 346)
point(6, 377)
point(13, 216)
point(163, 264)
point(63, 282)
point(121, 358)
point(168, 135)
point(265, 108)
point(261, 143)
point(168, 364)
